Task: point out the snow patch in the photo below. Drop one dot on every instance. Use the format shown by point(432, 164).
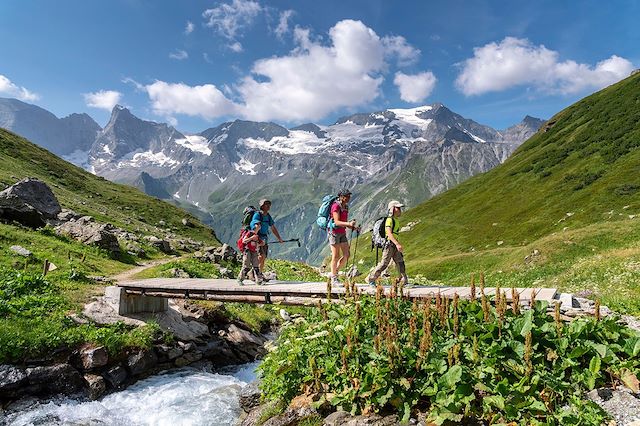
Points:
point(195, 143)
point(245, 167)
point(79, 158)
point(296, 142)
point(137, 159)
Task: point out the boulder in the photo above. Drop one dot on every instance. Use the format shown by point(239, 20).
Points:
point(219, 352)
point(226, 252)
point(116, 376)
point(29, 202)
point(90, 357)
point(56, 379)
point(250, 396)
point(67, 215)
point(20, 251)
point(291, 417)
point(245, 342)
point(96, 386)
point(188, 358)
point(160, 244)
point(90, 232)
point(12, 379)
point(141, 362)
point(186, 222)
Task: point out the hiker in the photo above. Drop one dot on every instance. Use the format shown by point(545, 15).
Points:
point(264, 219)
point(337, 231)
point(392, 247)
point(250, 243)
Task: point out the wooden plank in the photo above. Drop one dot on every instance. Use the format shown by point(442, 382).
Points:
point(547, 294)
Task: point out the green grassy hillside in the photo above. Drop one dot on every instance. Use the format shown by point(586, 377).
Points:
point(35, 313)
point(571, 192)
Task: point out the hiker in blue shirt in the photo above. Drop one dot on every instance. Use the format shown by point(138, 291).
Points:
point(266, 225)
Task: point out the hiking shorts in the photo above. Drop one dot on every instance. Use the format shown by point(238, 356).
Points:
point(264, 250)
point(337, 239)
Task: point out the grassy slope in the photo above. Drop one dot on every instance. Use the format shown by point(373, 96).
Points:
point(34, 319)
point(569, 192)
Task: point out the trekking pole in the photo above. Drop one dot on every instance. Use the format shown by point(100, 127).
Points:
point(292, 240)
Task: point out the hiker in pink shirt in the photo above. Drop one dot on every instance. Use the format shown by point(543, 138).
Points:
point(337, 230)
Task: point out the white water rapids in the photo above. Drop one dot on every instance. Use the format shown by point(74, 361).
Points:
point(180, 397)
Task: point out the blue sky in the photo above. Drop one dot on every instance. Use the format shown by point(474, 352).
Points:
point(198, 63)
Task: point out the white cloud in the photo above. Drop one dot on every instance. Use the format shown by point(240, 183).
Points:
point(103, 99)
point(228, 19)
point(8, 88)
point(515, 62)
point(283, 23)
point(236, 47)
point(397, 46)
point(205, 101)
point(314, 79)
point(179, 55)
point(415, 88)
point(188, 29)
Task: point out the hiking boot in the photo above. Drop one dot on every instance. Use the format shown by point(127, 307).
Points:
point(260, 282)
point(372, 284)
point(335, 282)
point(240, 281)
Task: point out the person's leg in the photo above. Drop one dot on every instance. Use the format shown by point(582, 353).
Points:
point(246, 267)
point(262, 257)
point(344, 248)
point(255, 264)
point(335, 252)
point(398, 258)
point(387, 255)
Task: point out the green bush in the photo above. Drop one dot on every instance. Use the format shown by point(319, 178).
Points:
point(457, 360)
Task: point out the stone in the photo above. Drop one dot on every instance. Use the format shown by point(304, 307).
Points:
point(12, 379)
point(66, 215)
point(174, 353)
point(337, 418)
point(56, 379)
point(226, 252)
point(291, 417)
point(245, 342)
point(141, 362)
point(89, 232)
point(96, 386)
point(178, 273)
point(566, 301)
point(250, 396)
point(20, 251)
point(116, 376)
point(219, 352)
point(186, 222)
point(93, 357)
point(29, 202)
point(188, 358)
point(187, 346)
point(160, 244)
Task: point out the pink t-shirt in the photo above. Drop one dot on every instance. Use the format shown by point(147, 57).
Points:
point(343, 215)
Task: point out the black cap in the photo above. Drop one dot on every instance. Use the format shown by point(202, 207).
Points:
point(344, 191)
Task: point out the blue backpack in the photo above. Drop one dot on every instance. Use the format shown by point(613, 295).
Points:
point(323, 221)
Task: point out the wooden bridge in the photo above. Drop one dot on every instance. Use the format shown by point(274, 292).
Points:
point(152, 294)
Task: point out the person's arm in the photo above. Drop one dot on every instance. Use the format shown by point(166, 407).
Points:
point(338, 222)
point(276, 233)
point(392, 238)
point(247, 239)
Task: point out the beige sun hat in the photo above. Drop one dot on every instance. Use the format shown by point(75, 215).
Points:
point(393, 204)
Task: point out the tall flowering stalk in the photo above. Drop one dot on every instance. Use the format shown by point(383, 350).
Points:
point(473, 288)
point(515, 301)
point(558, 320)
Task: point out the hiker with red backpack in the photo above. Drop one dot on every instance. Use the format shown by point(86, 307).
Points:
point(337, 233)
point(263, 218)
point(385, 232)
point(249, 245)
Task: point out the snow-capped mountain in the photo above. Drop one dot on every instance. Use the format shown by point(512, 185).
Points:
point(406, 154)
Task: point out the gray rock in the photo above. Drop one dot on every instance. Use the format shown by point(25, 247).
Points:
point(67, 215)
point(178, 273)
point(29, 202)
point(160, 244)
point(291, 417)
point(226, 252)
point(92, 357)
point(250, 396)
point(21, 251)
point(96, 386)
point(566, 301)
point(186, 222)
point(188, 358)
point(88, 231)
point(219, 352)
point(623, 406)
point(116, 376)
point(141, 362)
point(56, 379)
point(337, 418)
point(11, 380)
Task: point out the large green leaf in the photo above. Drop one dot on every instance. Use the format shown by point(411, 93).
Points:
point(450, 378)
